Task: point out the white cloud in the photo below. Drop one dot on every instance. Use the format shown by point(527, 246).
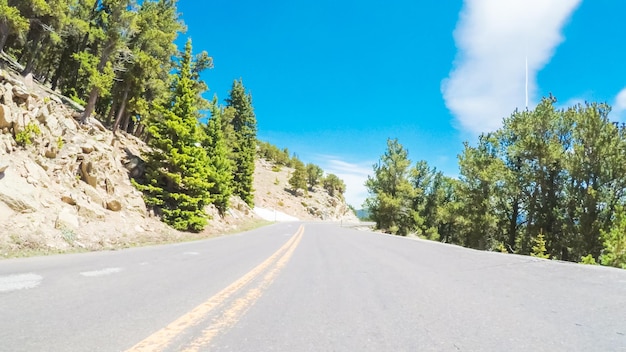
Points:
point(354, 175)
point(619, 106)
point(493, 39)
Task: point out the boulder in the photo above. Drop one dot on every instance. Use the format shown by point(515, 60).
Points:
point(36, 172)
point(67, 219)
point(42, 114)
point(8, 94)
point(93, 195)
point(133, 201)
point(51, 152)
point(20, 92)
point(67, 124)
point(6, 118)
point(52, 122)
point(114, 205)
point(18, 194)
point(86, 171)
point(21, 122)
point(135, 165)
point(109, 186)
point(90, 211)
point(6, 143)
point(68, 199)
point(87, 148)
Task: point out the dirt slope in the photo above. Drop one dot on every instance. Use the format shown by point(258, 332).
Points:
point(69, 188)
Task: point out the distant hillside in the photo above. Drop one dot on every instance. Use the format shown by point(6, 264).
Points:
point(363, 214)
point(273, 191)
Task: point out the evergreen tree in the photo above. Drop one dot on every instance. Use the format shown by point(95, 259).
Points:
point(314, 174)
point(614, 253)
point(539, 249)
point(334, 185)
point(177, 169)
point(11, 22)
point(299, 176)
point(145, 79)
point(220, 166)
point(390, 191)
point(244, 125)
point(115, 21)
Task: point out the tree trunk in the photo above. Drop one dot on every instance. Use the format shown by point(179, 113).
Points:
point(111, 112)
point(121, 112)
point(63, 61)
point(95, 92)
point(91, 104)
point(139, 130)
point(513, 225)
point(34, 52)
point(126, 121)
point(4, 34)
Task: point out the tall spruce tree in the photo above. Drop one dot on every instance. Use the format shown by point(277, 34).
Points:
point(244, 149)
point(220, 166)
point(177, 170)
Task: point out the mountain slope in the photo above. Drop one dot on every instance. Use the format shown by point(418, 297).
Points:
point(65, 186)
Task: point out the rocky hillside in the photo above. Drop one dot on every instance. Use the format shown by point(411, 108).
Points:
point(272, 191)
point(65, 186)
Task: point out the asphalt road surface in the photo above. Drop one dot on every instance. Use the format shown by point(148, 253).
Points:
point(309, 287)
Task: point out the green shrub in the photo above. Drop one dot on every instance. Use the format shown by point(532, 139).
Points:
point(25, 137)
point(588, 259)
point(539, 249)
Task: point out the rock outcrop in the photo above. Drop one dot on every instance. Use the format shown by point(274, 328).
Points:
point(62, 184)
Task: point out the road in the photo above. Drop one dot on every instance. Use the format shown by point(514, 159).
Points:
point(309, 287)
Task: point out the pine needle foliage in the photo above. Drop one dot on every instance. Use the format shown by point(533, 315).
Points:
point(177, 170)
point(539, 249)
point(299, 177)
point(220, 166)
point(244, 148)
point(614, 253)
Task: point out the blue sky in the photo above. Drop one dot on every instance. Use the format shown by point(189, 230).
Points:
point(332, 80)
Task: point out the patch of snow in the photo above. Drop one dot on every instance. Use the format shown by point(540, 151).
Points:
point(273, 215)
point(103, 272)
point(19, 282)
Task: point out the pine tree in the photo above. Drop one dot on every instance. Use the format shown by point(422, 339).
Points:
point(334, 185)
point(298, 178)
point(390, 192)
point(539, 249)
point(244, 125)
point(177, 170)
point(314, 174)
point(145, 79)
point(11, 22)
point(116, 20)
point(220, 166)
point(614, 253)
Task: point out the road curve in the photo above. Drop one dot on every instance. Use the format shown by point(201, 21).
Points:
point(309, 287)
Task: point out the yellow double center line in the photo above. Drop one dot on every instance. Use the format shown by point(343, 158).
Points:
point(229, 317)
